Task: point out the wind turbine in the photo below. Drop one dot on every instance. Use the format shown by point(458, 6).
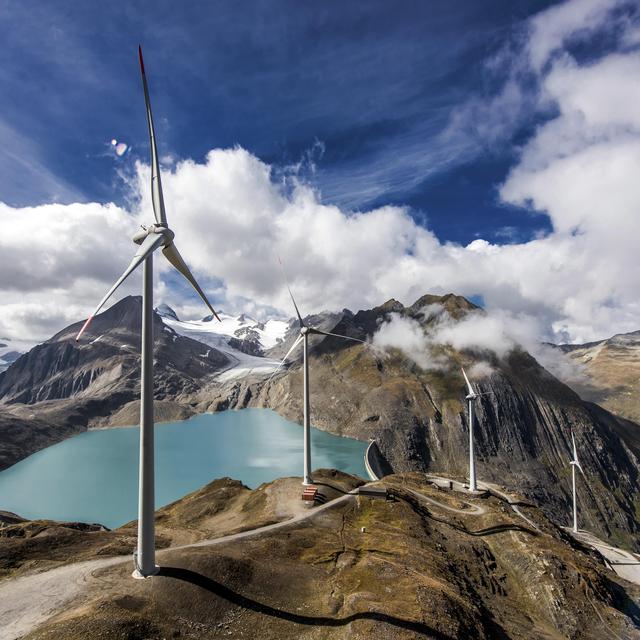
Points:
point(471, 397)
point(305, 331)
point(150, 239)
point(575, 463)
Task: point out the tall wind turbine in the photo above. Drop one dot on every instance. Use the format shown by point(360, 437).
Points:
point(471, 397)
point(305, 332)
point(150, 238)
point(575, 463)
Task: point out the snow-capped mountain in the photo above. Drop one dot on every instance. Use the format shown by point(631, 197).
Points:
point(242, 338)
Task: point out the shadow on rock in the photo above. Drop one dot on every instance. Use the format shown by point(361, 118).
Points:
point(220, 590)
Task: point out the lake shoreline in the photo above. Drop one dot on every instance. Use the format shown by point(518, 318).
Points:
point(94, 473)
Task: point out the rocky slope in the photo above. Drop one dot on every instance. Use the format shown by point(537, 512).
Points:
point(426, 564)
point(418, 417)
point(416, 413)
point(608, 373)
point(71, 385)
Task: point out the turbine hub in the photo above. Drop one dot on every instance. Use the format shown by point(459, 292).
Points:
point(304, 331)
point(168, 235)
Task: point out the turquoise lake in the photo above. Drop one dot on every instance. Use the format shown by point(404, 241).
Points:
point(93, 477)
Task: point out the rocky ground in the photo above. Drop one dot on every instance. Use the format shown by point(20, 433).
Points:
point(428, 563)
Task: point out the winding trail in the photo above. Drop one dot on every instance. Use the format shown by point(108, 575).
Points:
point(30, 600)
point(471, 509)
point(512, 500)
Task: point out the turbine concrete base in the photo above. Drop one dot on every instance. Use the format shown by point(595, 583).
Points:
point(139, 576)
point(476, 492)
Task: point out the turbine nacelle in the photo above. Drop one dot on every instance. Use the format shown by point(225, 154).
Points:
point(168, 235)
point(473, 394)
point(305, 330)
point(575, 462)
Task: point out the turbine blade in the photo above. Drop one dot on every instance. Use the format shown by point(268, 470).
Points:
point(575, 451)
point(335, 335)
point(471, 391)
point(156, 184)
point(149, 245)
point(286, 281)
point(172, 254)
point(293, 346)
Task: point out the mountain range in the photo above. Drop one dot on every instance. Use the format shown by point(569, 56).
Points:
point(416, 415)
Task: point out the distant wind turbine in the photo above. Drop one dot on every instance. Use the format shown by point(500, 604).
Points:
point(575, 463)
point(471, 397)
point(150, 239)
point(305, 331)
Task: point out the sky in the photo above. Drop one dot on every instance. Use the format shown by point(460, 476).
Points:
point(490, 149)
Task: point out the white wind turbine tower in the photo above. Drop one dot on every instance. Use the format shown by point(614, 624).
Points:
point(305, 332)
point(575, 463)
point(151, 238)
point(471, 397)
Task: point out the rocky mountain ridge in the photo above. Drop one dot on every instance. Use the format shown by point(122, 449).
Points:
point(416, 415)
point(419, 421)
point(73, 384)
point(608, 372)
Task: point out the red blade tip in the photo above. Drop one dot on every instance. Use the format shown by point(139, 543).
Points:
point(84, 326)
point(141, 60)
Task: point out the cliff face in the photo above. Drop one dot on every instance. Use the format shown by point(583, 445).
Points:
point(419, 418)
point(72, 384)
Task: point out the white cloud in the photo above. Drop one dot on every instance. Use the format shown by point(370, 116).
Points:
point(407, 335)
point(553, 28)
point(56, 263)
point(233, 216)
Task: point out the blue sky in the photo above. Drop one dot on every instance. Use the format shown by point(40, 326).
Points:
point(382, 149)
point(364, 89)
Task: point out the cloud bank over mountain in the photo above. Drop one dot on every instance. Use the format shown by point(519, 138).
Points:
point(233, 214)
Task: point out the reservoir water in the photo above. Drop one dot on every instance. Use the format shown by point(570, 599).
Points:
point(93, 477)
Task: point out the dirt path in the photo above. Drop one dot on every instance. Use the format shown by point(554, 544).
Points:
point(469, 510)
point(511, 499)
point(29, 601)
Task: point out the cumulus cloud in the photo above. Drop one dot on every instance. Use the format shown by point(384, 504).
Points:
point(56, 261)
point(498, 333)
point(407, 335)
point(550, 30)
point(233, 215)
point(482, 335)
